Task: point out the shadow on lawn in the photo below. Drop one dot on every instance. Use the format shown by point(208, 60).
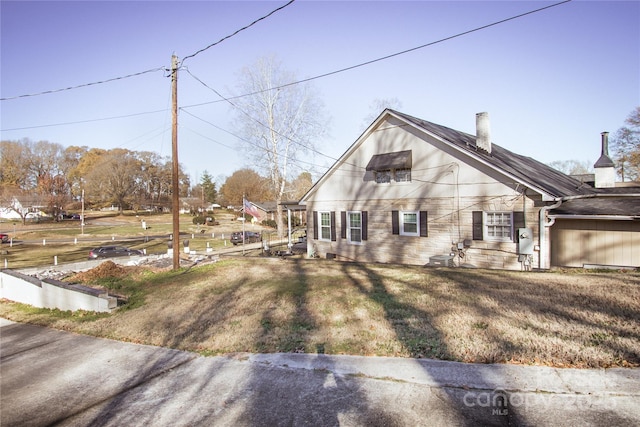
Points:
point(426, 341)
point(580, 308)
point(287, 324)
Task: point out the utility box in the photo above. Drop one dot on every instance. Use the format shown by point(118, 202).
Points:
point(525, 241)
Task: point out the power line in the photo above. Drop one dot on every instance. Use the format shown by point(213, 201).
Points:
point(237, 31)
point(256, 120)
point(259, 147)
point(83, 85)
point(274, 88)
point(84, 121)
point(362, 64)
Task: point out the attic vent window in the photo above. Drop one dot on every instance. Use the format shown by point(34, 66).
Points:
point(403, 175)
point(383, 177)
point(388, 166)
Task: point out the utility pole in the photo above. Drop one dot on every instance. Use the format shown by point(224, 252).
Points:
point(175, 179)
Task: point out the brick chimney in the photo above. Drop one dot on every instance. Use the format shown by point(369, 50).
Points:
point(605, 168)
point(483, 132)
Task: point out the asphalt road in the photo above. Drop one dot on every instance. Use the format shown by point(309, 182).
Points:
point(50, 377)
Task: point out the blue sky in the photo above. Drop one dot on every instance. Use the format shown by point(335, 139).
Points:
point(551, 81)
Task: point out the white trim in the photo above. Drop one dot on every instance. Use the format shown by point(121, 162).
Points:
point(401, 215)
point(348, 228)
point(486, 225)
point(320, 226)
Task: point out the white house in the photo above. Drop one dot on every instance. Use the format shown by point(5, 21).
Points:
point(415, 192)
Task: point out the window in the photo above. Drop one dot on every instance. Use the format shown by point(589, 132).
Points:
point(498, 226)
point(391, 166)
point(409, 223)
point(325, 225)
point(354, 227)
point(403, 175)
point(383, 177)
point(398, 175)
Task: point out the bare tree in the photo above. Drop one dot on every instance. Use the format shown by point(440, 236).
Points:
point(278, 121)
point(625, 145)
point(572, 167)
point(378, 105)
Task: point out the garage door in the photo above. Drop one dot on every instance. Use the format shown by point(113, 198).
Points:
point(576, 243)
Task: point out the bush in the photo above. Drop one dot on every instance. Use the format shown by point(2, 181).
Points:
point(269, 223)
point(199, 219)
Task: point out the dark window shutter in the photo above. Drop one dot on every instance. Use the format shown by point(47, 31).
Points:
point(518, 222)
point(395, 222)
point(315, 220)
point(423, 224)
point(365, 224)
point(343, 224)
point(333, 226)
point(477, 225)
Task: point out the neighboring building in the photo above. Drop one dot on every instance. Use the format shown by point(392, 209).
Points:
point(268, 211)
point(413, 192)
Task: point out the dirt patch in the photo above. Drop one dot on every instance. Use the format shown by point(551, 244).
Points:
point(107, 269)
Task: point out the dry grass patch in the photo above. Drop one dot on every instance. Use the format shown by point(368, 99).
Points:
point(583, 319)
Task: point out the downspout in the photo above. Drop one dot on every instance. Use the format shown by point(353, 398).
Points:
point(543, 224)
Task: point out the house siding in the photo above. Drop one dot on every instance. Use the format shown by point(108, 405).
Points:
point(580, 242)
point(446, 227)
point(445, 183)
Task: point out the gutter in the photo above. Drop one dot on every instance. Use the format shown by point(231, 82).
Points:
point(604, 217)
point(542, 241)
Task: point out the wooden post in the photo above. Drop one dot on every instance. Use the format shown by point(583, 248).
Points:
point(174, 144)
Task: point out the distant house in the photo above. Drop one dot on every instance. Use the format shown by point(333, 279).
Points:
point(268, 210)
point(414, 192)
point(23, 207)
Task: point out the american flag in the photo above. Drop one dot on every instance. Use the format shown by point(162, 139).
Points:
point(251, 209)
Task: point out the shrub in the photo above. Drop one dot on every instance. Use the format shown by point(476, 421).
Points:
point(199, 219)
point(269, 223)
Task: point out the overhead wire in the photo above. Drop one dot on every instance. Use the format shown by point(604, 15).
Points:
point(84, 121)
point(382, 58)
point(237, 31)
point(312, 149)
point(229, 99)
point(46, 92)
point(238, 137)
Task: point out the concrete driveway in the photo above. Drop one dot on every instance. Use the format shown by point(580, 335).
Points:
point(52, 377)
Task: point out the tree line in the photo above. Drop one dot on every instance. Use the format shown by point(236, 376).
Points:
point(55, 178)
point(46, 174)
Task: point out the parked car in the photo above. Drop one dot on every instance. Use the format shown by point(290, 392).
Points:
point(4, 238)
point(249, 237)
point(113, 251)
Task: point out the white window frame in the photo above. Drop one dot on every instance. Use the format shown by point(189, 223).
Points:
point(322, 227)
point(350, 228)
point(401, 223)
point(492, 222)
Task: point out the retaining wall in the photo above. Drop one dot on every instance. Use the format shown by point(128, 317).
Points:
point(50, 293)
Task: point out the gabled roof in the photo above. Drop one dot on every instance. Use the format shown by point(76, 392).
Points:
point(537, 176)
point(528, 171)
